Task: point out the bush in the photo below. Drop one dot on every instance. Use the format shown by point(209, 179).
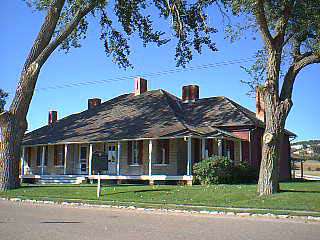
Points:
point(218, 170)
point(244, 173)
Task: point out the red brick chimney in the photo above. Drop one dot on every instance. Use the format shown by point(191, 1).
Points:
point(93, 102)
point(260, 110)
point(190, 93)
point(140, 86)
point(53, 117)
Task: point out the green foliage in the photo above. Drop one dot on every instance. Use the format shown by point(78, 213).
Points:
point(217, 170)
point(244, 173)
point(301, 36)
point(214, 170)
point(120, 20)
point(3, 97)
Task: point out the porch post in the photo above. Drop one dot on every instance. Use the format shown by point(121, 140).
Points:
point(22, 160)
point(189, 156)
point(151, 181)
point(65, 159)
point(240, 150)
point(150, 157)
point(42, 159)
point(90, 159)
point(220, 147)
point(118, 158)
point(203, 148)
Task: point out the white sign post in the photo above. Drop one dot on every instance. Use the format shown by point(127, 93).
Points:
point(99, 186)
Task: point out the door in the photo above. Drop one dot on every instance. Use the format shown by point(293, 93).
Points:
point(112, 158)
point(83, 159)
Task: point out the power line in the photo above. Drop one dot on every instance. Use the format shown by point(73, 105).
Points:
point(150, 74)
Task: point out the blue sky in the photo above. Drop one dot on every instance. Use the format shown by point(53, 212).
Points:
point(20, 25)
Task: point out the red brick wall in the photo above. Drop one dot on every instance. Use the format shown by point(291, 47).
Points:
point(256, 146)
point(285, 165)
point(252, 149)
point(256, 152)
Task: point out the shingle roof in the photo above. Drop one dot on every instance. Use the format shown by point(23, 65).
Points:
point(152, 114)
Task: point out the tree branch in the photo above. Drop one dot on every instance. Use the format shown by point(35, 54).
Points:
point(45, 33)
point(22, 97)
point(289, 79)
point(262, 22)
point(66, 32)
point(283, 23)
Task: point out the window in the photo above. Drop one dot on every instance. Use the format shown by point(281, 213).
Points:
point(162, 151)
point(39, 156)
point(28, 149)
point(83, 152)
point(46, 156)
point(228, 149)
point(83, 158)
point(208, 147)
point(135, 152)
point(112, 153)
point(58, 155)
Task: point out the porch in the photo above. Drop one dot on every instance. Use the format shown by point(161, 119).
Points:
point(165, 159)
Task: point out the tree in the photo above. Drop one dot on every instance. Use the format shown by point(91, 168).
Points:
point(66, 23)
point(3, 96)
point(290, 31)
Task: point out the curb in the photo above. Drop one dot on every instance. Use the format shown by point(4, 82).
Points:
point(167, 210)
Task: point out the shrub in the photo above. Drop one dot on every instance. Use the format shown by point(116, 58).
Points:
point(244, 173)
point(213, 170)
point(218, 170)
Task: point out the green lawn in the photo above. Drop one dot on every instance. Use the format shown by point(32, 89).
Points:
point(294, 196)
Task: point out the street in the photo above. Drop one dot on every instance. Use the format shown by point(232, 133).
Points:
point(30, 221)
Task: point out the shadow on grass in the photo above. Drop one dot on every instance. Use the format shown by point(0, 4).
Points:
point(137, 191)
point(298, 180)
point(78, 186)
point(298, 191)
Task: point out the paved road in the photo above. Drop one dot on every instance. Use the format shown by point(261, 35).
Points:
point(28, 221)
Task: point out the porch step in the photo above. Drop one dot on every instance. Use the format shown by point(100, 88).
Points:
point(61, 179)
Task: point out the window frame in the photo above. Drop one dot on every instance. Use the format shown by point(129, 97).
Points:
point(161, 152)
point(39, 156)
point(135, 154)
point(46, 156)
point(59, 151)
point(113, 152)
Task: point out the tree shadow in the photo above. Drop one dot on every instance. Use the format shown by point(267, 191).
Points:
point(137, 191)
point(299, 191)
point(60, 222)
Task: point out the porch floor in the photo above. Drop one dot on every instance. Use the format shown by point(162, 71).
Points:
point(115, 177)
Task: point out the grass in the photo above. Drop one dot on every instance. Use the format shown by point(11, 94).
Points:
point(295, 196)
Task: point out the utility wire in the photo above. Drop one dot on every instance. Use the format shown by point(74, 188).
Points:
point(150, 74)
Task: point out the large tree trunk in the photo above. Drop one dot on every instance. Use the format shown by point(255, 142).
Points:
point(11, 136)
point(276, 113)
point(269, 174)
point(275, 116)
point(13, 123)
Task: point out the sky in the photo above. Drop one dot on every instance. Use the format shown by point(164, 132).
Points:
point(20, 25)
